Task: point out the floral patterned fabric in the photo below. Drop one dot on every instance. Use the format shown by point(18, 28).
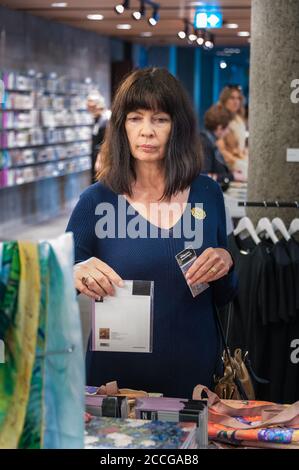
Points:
point(258, 437)
point(113, 433)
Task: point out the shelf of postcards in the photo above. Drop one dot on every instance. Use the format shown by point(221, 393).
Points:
point(45, 127)
point(28, 174)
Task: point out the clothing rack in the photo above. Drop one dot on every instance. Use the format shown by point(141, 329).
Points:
point(267, 204)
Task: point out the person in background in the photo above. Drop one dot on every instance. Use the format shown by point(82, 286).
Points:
point(216, 120)
point(232, 146)
point(96, 106)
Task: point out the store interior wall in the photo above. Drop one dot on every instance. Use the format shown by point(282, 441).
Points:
point(28, 42)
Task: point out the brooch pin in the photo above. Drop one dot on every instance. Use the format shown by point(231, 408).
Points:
point(198, 213)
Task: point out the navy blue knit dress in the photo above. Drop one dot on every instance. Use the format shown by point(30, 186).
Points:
point(186, 343)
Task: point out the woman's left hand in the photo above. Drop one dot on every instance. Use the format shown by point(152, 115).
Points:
point(211, 265)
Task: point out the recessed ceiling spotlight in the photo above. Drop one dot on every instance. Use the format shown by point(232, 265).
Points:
point(244, 34)
point(146, 34)
point(123, 26)
point(59, 5)
point(231, 25)
point(95, 17)
point(223, 65)
point(200, 41)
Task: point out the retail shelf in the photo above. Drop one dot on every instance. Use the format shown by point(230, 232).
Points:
point(61, 93)
point(17, 110)
point(46, 92)
point(45, 178)
point(15, 90)
point(20, 129)
point(44, 145)
point(44, 162)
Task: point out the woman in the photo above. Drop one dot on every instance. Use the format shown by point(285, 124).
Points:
point(233, 146)
point(151, 159)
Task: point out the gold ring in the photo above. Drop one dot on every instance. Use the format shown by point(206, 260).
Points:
point(85, 280)
point(213, 270)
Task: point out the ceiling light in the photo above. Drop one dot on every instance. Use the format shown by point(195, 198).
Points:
point(231, 25)
point(153, 20)
point(209, 41)
point(137, 15)
point(223, 64)
point(95, 17)
point(59, 5)
point(192, 37)
point(123, 26)
point(146, 34)
point(244, 34)
point(121, 7)
point(209, 44)
point(200, 41)
point(185, 33)
point(181, 34)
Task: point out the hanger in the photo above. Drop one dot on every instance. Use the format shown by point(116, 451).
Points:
point(294, 227)
point(246, 224)
point(264, 225)
point(278, 224)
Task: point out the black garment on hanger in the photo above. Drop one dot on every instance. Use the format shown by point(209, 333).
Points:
point(292, 247)
point(265, 314)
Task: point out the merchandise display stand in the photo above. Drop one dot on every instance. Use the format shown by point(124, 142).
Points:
point(45, 128)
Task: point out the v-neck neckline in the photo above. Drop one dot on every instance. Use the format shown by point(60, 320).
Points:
point(170, 229)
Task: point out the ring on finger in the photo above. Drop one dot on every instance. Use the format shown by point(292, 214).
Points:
point(85, 280)
point(213, 270)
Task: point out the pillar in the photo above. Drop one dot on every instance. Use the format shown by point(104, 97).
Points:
point(273, 111)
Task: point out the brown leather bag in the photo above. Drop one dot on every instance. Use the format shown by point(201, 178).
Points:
point(236, 382)
point(236, 379)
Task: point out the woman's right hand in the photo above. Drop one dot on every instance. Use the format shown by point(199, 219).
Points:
point(95, 278)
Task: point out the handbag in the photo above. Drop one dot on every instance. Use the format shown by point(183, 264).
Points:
point(236, 382)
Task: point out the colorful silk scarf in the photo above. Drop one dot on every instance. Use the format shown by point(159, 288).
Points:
point(42, 380)
point(19, 323)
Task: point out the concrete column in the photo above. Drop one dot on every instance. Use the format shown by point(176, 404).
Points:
point(273, 114)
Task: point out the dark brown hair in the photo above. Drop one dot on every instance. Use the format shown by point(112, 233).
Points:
point(216, 116)
point(151, 89)
point(226, 94)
